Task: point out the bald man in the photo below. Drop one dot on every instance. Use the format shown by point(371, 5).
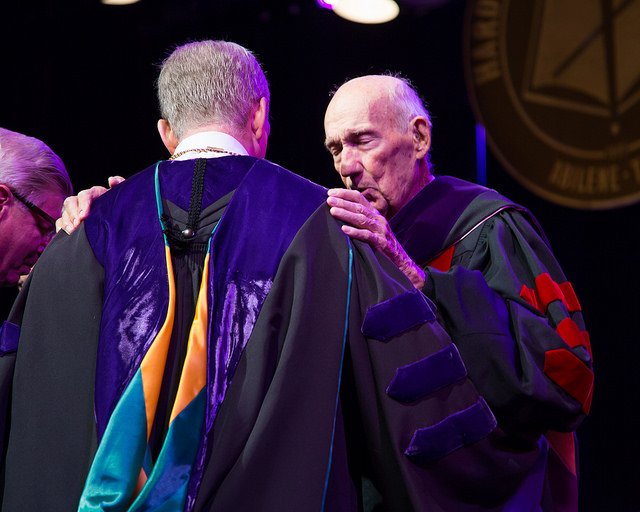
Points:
point(487, 265)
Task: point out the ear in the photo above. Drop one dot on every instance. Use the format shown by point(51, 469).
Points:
point(167, 135)
point(258, 126)
point(421, 136)
point(6, 199)
point(260, 121)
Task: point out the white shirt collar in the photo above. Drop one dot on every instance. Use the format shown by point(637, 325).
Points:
point(203, 139)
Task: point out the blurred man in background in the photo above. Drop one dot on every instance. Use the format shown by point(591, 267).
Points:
point(33, 185)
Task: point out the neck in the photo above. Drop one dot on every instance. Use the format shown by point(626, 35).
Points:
point(424, 178)
point(240, 135)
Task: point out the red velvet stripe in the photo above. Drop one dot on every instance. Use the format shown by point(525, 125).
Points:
point(571, 300)
point(530, 296)
point(548, 290)
point(571, 374)
point(443, 262)
point(572, 335)
point(563, 443)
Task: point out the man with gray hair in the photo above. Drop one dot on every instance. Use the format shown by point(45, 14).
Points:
point(33, 184)
point(485, 262)
point(221, 344)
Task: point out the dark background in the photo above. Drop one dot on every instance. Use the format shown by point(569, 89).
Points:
point(80, 76)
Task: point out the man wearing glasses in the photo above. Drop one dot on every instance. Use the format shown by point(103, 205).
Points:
point(33, 185)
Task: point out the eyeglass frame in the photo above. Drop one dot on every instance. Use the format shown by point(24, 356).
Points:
point(38, 211)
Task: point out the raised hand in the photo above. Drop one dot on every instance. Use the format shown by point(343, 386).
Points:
point(363, 222)
point(76, 208)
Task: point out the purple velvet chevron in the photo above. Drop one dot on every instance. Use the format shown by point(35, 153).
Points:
point(417, 380)
point(267, 210)
point(462, 428)
point(397, 315)
point(9, 335)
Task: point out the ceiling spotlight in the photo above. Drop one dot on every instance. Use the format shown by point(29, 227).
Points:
point(363, 11)
point(119, 2)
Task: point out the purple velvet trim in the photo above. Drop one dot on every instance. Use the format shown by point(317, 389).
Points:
point(424, 224)
point(462, 428)
point(266, 211)
point(417, 380)
point(397, 315)
point(229, 172)
point(9, 335)
point(125, 235)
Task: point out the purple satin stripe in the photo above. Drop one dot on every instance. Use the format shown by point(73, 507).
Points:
point(9, 335)
point(397, 315)
point(267, 210)
point(418, 380)
point(460, 429)
point(423, 225)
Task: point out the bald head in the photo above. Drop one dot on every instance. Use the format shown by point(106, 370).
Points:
point(393, 96)
point(379, 133)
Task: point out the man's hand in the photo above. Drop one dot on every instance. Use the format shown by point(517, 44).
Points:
point(364, 222)
point(76, 208)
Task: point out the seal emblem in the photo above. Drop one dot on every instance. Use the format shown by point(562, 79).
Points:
point(556, 83)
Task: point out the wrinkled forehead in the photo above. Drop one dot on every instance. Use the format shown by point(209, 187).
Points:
point(355, 110)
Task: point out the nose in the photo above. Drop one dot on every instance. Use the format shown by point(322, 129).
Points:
point(349, 164)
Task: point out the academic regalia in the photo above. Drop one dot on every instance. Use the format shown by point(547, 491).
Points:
point(310, 362)
point(516, 321)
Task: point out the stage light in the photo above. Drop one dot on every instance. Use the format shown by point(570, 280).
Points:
point(119, 2)
point(363, 11)
point(326, 4)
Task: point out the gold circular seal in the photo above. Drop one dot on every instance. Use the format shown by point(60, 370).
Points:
point(556, 83)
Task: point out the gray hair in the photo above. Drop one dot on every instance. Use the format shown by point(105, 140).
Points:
point(407, 101)
point(209, 82)
point(30, 167)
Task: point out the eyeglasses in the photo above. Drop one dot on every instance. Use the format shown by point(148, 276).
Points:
point(50, 222)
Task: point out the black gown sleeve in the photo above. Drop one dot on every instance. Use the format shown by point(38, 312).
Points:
point(283, 420)
point(519, 327)
point(52, 398)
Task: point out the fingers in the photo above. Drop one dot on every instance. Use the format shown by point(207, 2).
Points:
point(76, 208)
point(364, 235)
point(85, 198)
point(363, 208)
point(354, 218)
point(22, 280)
point(348, 195)
point(69, 213)
point(115, 180)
